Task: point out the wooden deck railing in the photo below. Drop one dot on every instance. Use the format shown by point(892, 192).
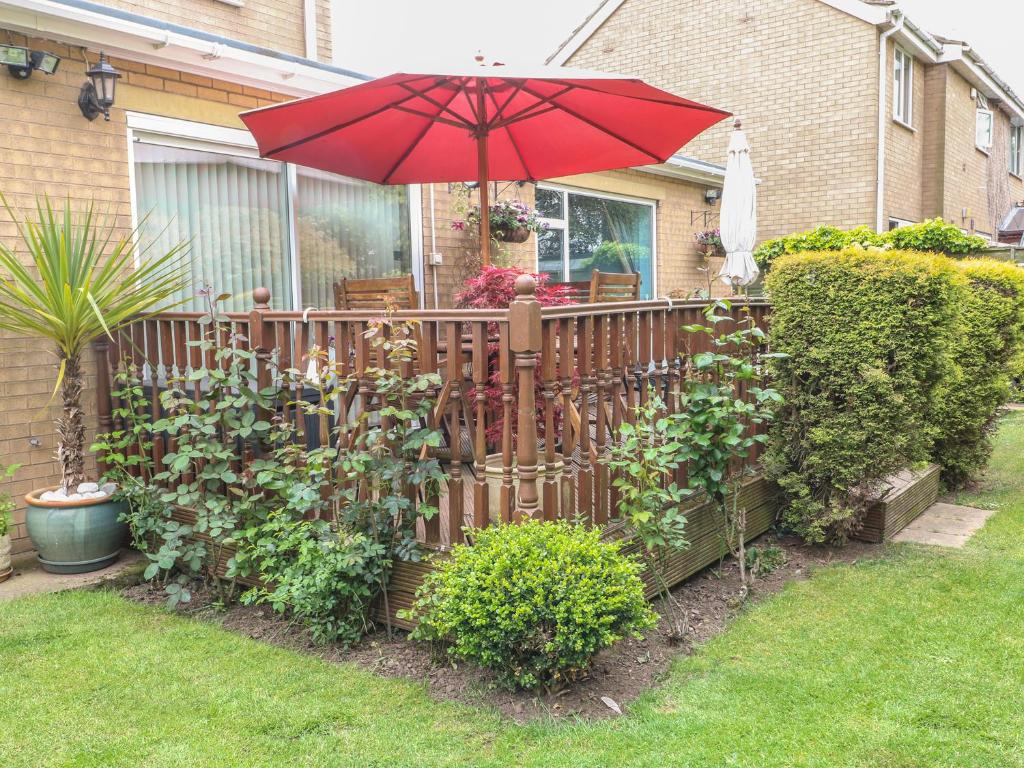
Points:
point(589, 365)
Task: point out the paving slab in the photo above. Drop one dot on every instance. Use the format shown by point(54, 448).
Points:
point(945, 525)
point(29, 578)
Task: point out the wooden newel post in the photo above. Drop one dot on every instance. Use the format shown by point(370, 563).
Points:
point(261, 337)
point(525, 343)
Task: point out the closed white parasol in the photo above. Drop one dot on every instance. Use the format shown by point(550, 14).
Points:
point(739, 214)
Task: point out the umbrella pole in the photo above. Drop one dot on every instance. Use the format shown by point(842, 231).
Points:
point(485, 204)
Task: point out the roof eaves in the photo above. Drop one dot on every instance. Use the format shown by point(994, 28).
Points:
point(583, 32)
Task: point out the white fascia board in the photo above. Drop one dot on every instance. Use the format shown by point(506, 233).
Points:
point(871, 14)
point(687, 169)
point(583, 33)
point(136, 41)
point(976, 72)
point(918, 42)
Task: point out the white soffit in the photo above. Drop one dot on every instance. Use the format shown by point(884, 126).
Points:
point(125, 36)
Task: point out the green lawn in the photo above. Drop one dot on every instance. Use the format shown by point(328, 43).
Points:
point(913, 660)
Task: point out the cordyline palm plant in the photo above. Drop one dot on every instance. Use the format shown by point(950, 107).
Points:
point(79, 284)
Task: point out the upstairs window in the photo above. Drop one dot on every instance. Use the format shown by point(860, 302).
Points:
point(903, 87)
point(985, 125)
point(1016, 135)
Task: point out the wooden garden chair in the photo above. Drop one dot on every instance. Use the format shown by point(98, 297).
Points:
point(611, 286)
point(376, 293)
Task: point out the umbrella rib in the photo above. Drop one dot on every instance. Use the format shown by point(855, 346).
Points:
point(462, 122)
point(525, 112)
point(434, 118)
point(512, 140)
point(339, 127)
point(592, 124)
point(412, 144)
point(500, 110)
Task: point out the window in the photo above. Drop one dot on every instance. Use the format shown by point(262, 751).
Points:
point(252, 222)
point(985, 124)
point(588, 231)
point(1016, 135)
point(903, 87)
point(897, 223)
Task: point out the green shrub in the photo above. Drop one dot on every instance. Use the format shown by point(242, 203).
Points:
point(988, 336)
point(933, 235)
point(325, 576)
point(936, 236)
point(533, 602)
point(866, 333)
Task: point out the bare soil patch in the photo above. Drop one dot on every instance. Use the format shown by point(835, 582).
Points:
point(620, 673)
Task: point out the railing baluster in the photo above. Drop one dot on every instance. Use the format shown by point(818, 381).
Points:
point(602, 377)
point(508, 502)
point(456, 511)
point(481, 500)
point(428, 364)
point(566, 370)
point(549, 382)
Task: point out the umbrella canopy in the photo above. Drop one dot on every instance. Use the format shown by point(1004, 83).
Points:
point(738, 221)
point(486, 123)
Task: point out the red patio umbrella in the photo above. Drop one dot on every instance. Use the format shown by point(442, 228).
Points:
point(486, 123)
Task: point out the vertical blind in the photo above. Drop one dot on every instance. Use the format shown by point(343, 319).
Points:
point(348, 228)
point(235, 212)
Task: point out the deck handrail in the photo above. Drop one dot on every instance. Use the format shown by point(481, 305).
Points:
point(566, 378)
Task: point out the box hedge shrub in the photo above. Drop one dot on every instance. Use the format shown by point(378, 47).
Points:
point(867, 335)
point(534, 602)
point(986, 340)
point(933, 235)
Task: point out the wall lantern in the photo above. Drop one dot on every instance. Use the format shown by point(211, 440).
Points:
point(97, 94)
point(712, 196)
point(21, 61)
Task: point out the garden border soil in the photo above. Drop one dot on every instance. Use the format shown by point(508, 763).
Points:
point(620, 673)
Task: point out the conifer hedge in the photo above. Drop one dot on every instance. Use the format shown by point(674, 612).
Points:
point(889, 358)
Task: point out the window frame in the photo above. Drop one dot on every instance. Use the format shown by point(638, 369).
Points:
point(981, 107)
point(900, 100)
point(203, 137)
point(563, 224)
point(1016, 166)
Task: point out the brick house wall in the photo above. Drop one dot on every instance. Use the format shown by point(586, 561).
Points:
point(679, 216)
point(50, 148)
point(803, 77)
point(274, 24)
point(905, 149)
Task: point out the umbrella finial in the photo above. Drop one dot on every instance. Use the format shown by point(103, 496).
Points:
point(479, 58)
point(737, 123)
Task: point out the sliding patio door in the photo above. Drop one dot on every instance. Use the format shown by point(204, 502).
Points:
point(254, 223)
point(588, 231)
point(348, 228)
point(231, 210)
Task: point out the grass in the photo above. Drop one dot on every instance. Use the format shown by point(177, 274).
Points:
point(916, 659)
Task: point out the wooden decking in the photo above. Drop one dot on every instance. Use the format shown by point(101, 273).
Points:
point(704, 532)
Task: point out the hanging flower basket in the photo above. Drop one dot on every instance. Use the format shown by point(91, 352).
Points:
point(514, 235)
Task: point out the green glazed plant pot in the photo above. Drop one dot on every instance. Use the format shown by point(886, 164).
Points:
point(75, 536)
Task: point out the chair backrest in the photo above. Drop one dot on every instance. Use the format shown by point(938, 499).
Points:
point(611, 286)
point(578, 291)
point(376, 293)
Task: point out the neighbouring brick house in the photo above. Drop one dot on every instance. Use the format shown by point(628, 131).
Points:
point(821, 84)
point(174, 157)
